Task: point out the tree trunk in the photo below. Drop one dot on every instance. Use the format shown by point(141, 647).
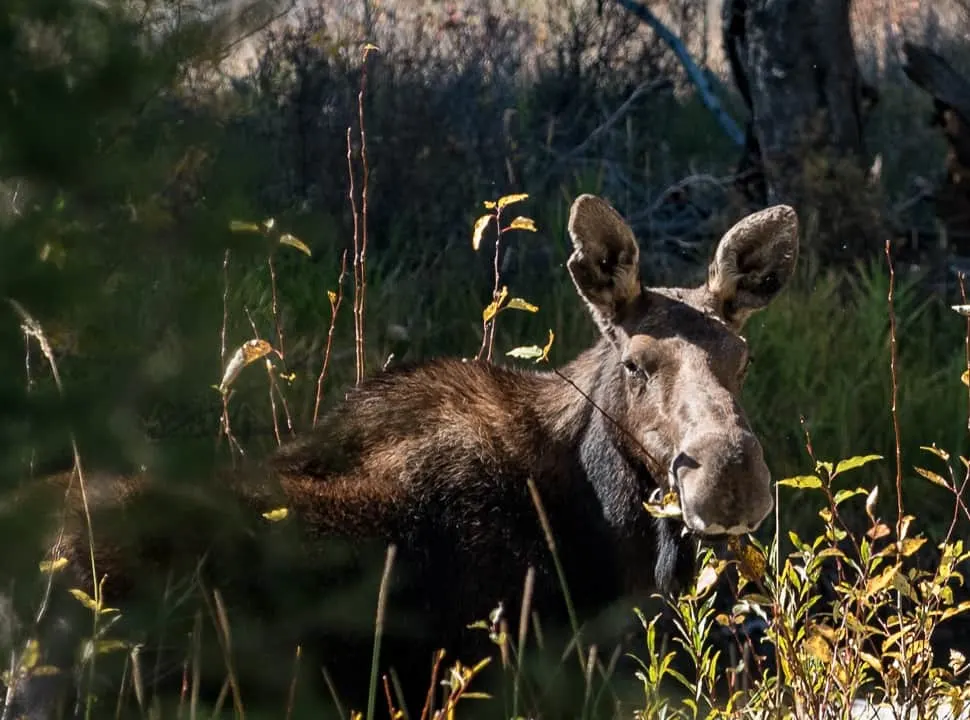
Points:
point(951, 100)
point(794, 63)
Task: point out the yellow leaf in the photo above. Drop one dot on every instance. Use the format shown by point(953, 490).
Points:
point(879, 530)
point(491, 310)
point(245, 354)
point(31, 654)
point(904, 587)
point(52, 566)
point(548, 345)
point(882, 581)
point(489, 204)
point(45, 670)
point(956, 610)
point(480, 225)
point(932, 477)
point(509, 199)
point(294, 242)
point(522, 223)
point(942, 454)
point(106, 646)
point(332, 296)
point(277, 514)
point(965, 378)
point(854, 462)
point(752, 562)
point(904, 524)
point(802, 482)
point(817, 648)
point(871, 660)
point(520, 304)
point(667, 507)
point(85, 599)
point(910, 545)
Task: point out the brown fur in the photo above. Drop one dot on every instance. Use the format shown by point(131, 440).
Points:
point(436, 459)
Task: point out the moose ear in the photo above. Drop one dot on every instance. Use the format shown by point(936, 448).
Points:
point(605, 264)
point(753, 262)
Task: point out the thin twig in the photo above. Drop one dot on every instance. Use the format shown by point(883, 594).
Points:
point(353, 210)
point(526, 608)
point(379, 628)
point(224, 637)
point(895, 391)
point(428, 710)
point(225, 308)
point(361, 300)
point(495, 290)
point(560, 572)
point(334, 308)
point(279, 349)
point(272, 381)
point(292, 696)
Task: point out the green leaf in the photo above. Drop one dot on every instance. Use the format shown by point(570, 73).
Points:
point(843, 495)
point(294, 242)
point(102, 647)
point(854, 462)
point(824, 465)
point(802, 482)
point(526, 352)
point(520, 304)
point(240, 226)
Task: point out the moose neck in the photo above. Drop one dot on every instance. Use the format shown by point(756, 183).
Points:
point(572, 396)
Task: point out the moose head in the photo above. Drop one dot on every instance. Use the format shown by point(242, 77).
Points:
point(679, 360)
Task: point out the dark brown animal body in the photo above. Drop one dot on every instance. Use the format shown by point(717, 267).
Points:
point(437, 459)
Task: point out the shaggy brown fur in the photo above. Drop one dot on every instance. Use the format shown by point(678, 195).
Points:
point(436, 458)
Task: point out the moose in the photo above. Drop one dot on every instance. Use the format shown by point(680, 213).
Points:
point(450, 461)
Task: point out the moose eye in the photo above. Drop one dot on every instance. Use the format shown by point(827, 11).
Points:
point(634, 370)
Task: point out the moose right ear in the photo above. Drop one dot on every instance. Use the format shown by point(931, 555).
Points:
point(605, 264)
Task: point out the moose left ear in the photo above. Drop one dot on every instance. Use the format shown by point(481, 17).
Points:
point(753, 262)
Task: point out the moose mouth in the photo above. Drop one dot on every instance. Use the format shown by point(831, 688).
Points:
point(665, 503)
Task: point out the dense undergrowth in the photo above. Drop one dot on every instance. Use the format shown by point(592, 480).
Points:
point(124, 252)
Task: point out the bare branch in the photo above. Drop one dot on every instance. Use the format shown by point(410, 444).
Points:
point(694, 72)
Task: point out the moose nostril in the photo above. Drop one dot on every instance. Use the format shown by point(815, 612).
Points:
point(683, 460)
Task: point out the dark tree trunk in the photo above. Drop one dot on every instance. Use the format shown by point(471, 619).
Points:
point(794, 63)
point(951, 100)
